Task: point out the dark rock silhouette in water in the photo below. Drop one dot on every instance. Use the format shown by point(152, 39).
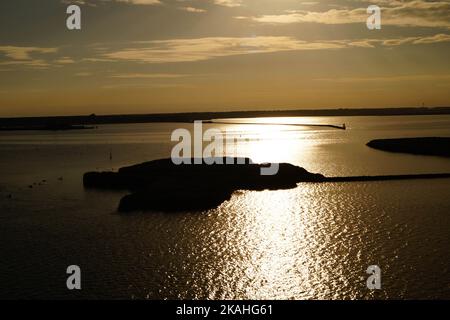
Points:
point(160, 185)
point(431, 146)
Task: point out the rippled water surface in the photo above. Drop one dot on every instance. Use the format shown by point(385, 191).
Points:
point(312, 242)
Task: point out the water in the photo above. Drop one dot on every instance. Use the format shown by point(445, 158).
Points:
point(312, 242)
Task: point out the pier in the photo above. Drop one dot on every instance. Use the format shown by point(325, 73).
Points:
point(342, 127)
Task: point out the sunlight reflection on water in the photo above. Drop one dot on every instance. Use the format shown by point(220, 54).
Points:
point(316, 241)
point(311, 242)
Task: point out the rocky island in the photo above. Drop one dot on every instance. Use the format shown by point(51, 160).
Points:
point(160, 185)
point(431, 146)
point(163, 186)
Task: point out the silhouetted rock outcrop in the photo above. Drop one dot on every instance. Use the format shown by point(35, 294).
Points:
point(431, 146)
point(162, 185)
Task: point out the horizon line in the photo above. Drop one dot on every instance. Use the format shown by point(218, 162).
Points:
point(330, 111)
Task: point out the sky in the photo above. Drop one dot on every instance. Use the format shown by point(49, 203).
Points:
point(163, 56)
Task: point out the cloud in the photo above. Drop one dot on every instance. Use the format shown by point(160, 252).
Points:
point(191, 50)
point(26, 56)
point(409, 13)
point(36, 63)
point(24, 53)
point(433, 39)
point(228, 3)
point(198, 49)
point(417, 40)
point(192, 9)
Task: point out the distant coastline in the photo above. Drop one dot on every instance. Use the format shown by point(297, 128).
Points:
point(29, 122)
point(48, 127)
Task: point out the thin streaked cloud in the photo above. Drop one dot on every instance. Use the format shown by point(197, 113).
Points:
point(199, 49)
point(192, 9)
point(417, 13)
point(31, 57)
point(190, 50)
point(24, 53)
point(229, 3)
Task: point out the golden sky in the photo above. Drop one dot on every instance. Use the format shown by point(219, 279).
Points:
point(146, 56)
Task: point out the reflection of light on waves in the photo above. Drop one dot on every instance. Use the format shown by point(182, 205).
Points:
point(281, 243)
point(272, 145)
point(265, 143)
point(275, 237)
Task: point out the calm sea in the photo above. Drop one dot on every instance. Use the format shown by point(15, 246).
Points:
point(312, 242)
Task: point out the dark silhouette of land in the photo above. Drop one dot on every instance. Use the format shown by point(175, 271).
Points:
point(431, 146)
point(93, 119)
point(164, 186)
point(160, 185)
point(48, 127)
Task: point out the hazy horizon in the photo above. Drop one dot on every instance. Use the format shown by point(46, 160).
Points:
point(231, 110)
point(168, 56)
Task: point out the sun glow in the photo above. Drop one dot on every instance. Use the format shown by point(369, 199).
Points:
point(264, 143)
